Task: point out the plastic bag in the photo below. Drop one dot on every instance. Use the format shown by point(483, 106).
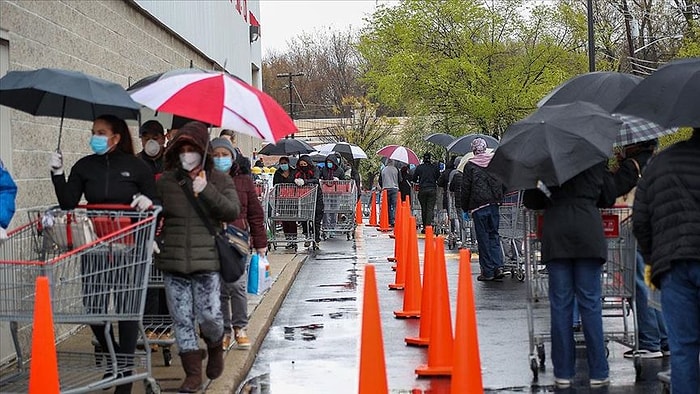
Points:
point(259, 275)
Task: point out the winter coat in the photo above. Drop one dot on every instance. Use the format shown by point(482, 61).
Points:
point(8, 192)
point(666, 213)
point(112, 178)
point(251, 216)
point(426, 175)
point(280, 178)
point(455, 187)
point(310, 177)
point(186, 245)
point(573, 227)
point(327, 174)
point(155, 164)
point(405, 183)
point(479, 188)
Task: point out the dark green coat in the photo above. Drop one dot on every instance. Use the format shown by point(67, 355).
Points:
point(187, 246)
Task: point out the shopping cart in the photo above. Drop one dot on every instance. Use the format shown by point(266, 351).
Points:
point(291, 203)
point(97, 260)
point(365, 200)
point(339, 198)
point(617, 280)
point(415, 204)
point(159, 328)
point(454, 236)
point(511, 232)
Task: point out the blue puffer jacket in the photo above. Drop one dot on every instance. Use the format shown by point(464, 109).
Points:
point(8, 192)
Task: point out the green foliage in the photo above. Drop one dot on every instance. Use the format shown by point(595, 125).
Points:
point(680, 135)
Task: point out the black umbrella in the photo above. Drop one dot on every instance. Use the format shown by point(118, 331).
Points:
point(670, 96)
point(604, 88)
point(65, 93)
point(463, 144)
point(145, 81)
point(553, 145)
point(287, 146)
point(440, 139)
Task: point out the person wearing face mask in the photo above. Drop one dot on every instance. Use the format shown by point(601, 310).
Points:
point(152, 137)
point(284, 174)
point(331, 171)
point(188, 257)
point(307, 174)
point(111, 175)
point(234, 301)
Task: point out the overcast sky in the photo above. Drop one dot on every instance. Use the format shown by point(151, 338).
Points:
point(281, 20)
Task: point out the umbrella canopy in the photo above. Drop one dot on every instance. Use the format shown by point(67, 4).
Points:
point(635, 129)
point(286, 147)
point(399, 153)
point(554, 144)
point(145, 81)
point(463, 144)
point(604, 88)
point(343, 148)
point(218, 99)
point(670, 96)
point(440, 139)
point(65, 94)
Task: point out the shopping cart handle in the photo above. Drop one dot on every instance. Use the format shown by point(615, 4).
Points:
point(115, 207)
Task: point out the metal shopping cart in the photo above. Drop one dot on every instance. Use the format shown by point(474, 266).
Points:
point(415, 204)
point(97, 260)
point(291, 203)
point(365, 199)
point(617, 280)
point(339, 198)
point(511, 232)
point(454, 235)
point(159, 328)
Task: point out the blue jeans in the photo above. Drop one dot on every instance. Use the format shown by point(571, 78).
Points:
point(391, 200)
point(680, 301)
point(650, 322)
point(579, 278)
point(489, 242)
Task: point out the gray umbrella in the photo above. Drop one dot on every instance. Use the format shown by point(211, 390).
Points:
point(604, 88)
point(440, 139)
point(65, 93)
point(553, 145)
point(463, 144)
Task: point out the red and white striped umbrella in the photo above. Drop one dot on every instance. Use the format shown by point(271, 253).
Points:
point(218, 99)
point(399, 153)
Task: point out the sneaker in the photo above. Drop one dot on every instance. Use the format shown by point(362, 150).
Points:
point(665, 350)
point(499, 274)
point(600, 382)
point(152, 336)
point(643, 353)
point(226, 342)
point(562, 383)
point(482, 278)
point(241, 337)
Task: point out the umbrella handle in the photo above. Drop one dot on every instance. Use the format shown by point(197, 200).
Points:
point(60, 128)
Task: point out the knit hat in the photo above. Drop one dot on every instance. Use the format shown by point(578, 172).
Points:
point(223, 143)
point(478, 145)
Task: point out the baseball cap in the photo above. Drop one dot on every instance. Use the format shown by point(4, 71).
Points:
point(151, 127)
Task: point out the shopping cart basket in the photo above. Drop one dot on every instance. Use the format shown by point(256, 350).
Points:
point(97, 260)
point(339, 198)
point(291, 203)
point(510, 230)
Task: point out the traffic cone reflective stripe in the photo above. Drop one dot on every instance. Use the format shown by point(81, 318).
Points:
point(43, 367)
point(384, 212)
point(373, 210)
point(466, 374)
point(441, 341)
point(429, 261)
point(412, 286)
point(373, 378)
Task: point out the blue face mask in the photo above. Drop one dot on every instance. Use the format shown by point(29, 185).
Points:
point(442, 167)
point(99, 144)
point(223, 163)
point(329, 165)
point(321, 165)
point(284, 167)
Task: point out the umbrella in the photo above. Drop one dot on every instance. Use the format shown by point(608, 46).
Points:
point(604, 88)
point(65, 93)
point(635, 129)
point(343, 148)
point(463, 145)
point(286, 147)
point(218, 99)
point(554, 144)
point(440, 139)
point(399, 153)
point(669, 96)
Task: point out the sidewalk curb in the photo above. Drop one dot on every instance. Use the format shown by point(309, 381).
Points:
point(239, 362)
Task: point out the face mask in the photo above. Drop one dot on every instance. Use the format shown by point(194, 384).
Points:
point(329, 165)
point(152, 148)
point(284, 167)
point(99, 144)
point(223, 163)
point(190, 160)
point(442, 167)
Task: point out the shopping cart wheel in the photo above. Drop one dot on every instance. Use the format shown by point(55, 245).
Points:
point(151, 386)
point(520, 275)
point(541, 356)
point(534, 368)
point(167, 356)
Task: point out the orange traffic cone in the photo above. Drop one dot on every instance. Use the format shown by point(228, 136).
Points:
point(441, 341)
point(405, 214)
point(466, 374)
point(372, 363)
point(397, 233)
point(412, 295)
point(358, 212)
point(401, 256)
point(384, 212)
point(429, 260)
point(43, 367)
point(373, 210)
point(397, 217)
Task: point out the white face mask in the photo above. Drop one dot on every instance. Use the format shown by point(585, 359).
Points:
point(152, 148)
point(190, 160)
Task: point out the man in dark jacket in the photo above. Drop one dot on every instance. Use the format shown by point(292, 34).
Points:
point(152, 137)
point(481, 193)
point(666, 219)
point(426, 176)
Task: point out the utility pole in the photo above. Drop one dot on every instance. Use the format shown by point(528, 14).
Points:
point(628, 33)
point(591, 38)
point(290, 86)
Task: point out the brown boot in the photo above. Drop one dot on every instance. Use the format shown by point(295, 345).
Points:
point(192, 364)
point(215, 364)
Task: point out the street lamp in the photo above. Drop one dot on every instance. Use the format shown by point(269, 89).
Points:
point(676, 37)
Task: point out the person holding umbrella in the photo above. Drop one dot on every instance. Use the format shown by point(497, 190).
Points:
point(426, 176)
point(285, 174)
point(112, 175)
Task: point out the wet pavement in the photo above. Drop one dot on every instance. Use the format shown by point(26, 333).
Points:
point(313, 343)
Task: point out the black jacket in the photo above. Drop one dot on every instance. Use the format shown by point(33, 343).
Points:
point(666, 213)
point(112, 178)
point(155, 164)
point(426, 175)
point(479, 188)
point(573, 227)
point(455, 187)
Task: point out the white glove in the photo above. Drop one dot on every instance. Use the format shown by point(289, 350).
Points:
point(156, 249)
point(56, 163)
point(299, 182)
point(335, 178)
point(141, 202)
point(3, 234)
point(199, 183)
point(261, 251)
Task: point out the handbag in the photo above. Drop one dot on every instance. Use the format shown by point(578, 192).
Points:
point(231, 243)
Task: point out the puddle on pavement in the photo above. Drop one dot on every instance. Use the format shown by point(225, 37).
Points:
point(332, 299)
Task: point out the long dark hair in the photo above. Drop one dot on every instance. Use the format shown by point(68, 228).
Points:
point(119, 126)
